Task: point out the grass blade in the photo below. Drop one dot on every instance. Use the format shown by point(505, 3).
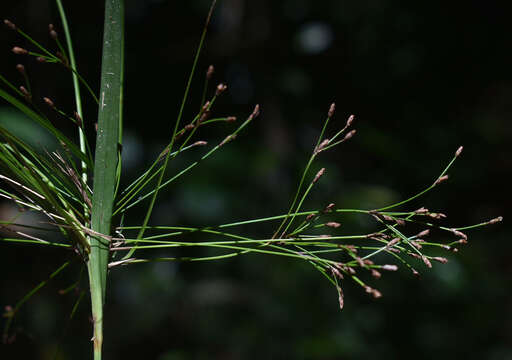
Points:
point(106, 160)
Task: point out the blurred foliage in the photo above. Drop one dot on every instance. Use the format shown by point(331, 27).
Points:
point(422, 79)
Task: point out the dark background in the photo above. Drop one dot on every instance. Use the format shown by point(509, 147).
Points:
point(422, 78)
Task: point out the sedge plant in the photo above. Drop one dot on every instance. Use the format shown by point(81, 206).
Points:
point(78, 190)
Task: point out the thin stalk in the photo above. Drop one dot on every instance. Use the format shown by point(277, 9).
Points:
point(176, 126)
point(76, 86)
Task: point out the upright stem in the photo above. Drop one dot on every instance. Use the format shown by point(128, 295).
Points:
point(106, 161)
point(76, 85)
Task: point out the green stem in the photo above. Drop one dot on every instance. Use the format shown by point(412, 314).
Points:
point(76, 86)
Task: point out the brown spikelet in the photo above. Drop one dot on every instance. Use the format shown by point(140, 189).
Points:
point(376, 294)
point(26, 94)
point(376, 274)
point(322, 145)
point(220, 89)
point(360, 262)
point(255, 112)
point(496, 220)
point(24, 91)
point(21, 69)
point(10, 24)
point(333, 224)
point(350, 120)
point(19, 50)
point(423, 233)
point(209, 72)
point(426, 261)
point(332, 108)
point(231, 119)
point(393, 242)
point(389, 267)
point(228, 139)
point(52, 31)
point(349, 135)
point(440, 259)
point(340, 297)
point(319, 175)
point(421, 211)
point(437, 216)
point(49, 102)
point(328, 208)
point(459, 234)
point(459, 151)
point(441, 179)
point(204, 116)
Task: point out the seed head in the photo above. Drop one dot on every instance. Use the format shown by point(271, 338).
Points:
point(21, 69)
point(440, 259)
point(329, 207)
point(322, 145)
point(421, 210)
point(376, 274)
point(459, 151)
point(41, 59)
point(332, 108)
point(220, 89)
point(255, 112)
point(19, 50)
point(360, 261)
point(441, 179)
point(350, 134)
point(333, 224)
point(49, 102)
point(200, 143)
point(9, 24)
point(231, 119)
point(26, 94)
point(376, 294)
point(423, 233)
point(209, 72)
point(437, 216)
point(227, 139)
point(204, 117)
point(340, 297)
point(415, 244)
point(350, 120)
point(336, 272)
point(393, 242)
point(318, 175)
point(426, 261)
point(24, 91)
point(496, 220)
point(389, 267)
point(459, 234)
point(53, 33)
